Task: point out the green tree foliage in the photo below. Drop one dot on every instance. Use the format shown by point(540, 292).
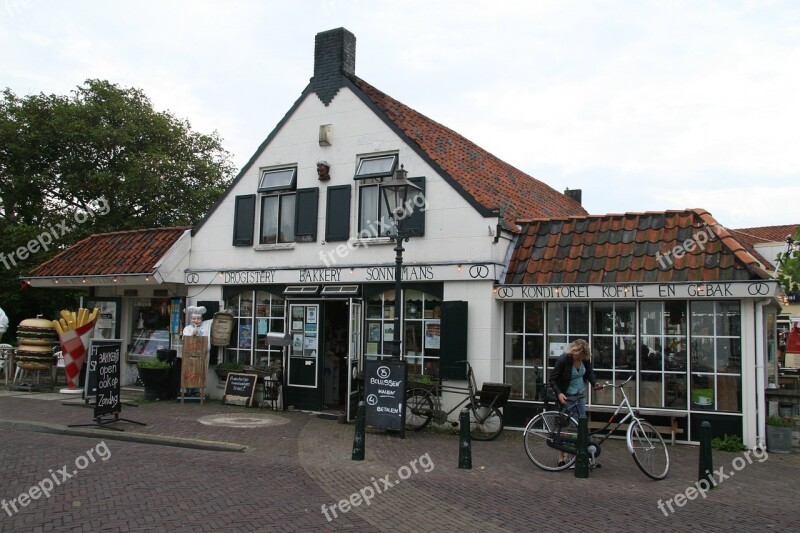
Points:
point(790, 267)
point(59, 154)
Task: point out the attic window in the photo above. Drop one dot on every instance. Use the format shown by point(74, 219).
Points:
point(376, 167)
point(277, 179)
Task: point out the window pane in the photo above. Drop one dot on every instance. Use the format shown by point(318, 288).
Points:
point(533, 317)
point(276, 179)
point(269, 220)
point(287, 218)
point(728, 319)
point(368, 225)
point(376, 165)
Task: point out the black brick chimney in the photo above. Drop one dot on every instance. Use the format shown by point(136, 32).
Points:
point(334, 55)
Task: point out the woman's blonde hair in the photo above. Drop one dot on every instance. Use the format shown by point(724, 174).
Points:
point(580, 348)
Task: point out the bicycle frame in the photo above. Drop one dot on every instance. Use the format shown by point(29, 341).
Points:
point(469, 391)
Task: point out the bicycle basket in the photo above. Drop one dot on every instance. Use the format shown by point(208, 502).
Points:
point(494, 394)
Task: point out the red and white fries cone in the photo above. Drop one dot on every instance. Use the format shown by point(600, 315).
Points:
point(74, 345)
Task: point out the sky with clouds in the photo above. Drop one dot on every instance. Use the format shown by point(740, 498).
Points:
point(646, 105)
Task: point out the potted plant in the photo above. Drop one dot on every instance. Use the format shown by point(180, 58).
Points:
point(779, 434)
point(223, 369)
point(153, 373)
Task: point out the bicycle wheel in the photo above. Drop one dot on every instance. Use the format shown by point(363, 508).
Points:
point(419, 409)
point(648, 449)
point(543, 429)
point(485, 423)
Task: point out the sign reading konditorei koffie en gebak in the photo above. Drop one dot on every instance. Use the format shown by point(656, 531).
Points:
point(384, 392)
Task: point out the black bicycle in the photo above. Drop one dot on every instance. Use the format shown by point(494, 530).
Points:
point(424, 406)
point(551, 438)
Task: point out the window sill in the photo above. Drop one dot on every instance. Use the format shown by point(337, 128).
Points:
point(272, 247)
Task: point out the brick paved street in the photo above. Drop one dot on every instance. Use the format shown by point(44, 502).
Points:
point(291, 470)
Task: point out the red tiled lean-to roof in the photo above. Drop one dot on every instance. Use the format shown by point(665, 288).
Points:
point(750, 237)
point(627, 248)
point(119, 252)
point(486, 180)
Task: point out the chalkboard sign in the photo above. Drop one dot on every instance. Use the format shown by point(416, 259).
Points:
point(90, 384)
point(107, 366)
point(385, 388)
point(239, 389)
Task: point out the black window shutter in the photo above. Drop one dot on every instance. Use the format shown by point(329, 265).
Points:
point(415, 223)
point(305, 214)
point(337, 214)
point(453, 342)
point(244, 214)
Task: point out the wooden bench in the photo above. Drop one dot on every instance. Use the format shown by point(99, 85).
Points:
point(672, 430)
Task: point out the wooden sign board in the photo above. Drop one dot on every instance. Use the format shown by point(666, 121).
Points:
point(384, 392)
point(194, 362)
point(239, 389)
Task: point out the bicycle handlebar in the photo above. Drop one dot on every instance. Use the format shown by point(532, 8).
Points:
point(619, 385)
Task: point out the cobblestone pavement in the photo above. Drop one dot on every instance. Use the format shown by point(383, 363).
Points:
point(291, 470)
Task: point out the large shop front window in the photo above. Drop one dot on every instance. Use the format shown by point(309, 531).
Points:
point(150, 331)
point(613, 348)
point(257, 313)
point(421, 327)
point(663, 354)
point(682, 354)
point(716, 356)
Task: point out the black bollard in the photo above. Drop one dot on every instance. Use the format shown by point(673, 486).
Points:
point(464, 441)
point(706, 466)
point(582, 453)
point(358, 437)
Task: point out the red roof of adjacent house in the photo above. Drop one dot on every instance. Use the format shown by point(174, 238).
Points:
point(478, 175)
point(749, 237)
point(119, 252)
point(627, 248)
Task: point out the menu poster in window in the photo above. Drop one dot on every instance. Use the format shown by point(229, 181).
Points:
point(107, 325)
point(432, 336)
point(245, 335)
point(388, 332)
point(557, 348)
point(263, 328)
point(297, 343)
point(311, 314)
point(374, 332)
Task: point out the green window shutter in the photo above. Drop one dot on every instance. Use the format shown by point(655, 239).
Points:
point(337, 214)
point(305, 215)
point(453, 340)
point(415, 223)
point(244, 214)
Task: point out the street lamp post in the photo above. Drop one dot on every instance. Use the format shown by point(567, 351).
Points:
point(395, 195)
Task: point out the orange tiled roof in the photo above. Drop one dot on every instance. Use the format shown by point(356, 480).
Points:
point(119, 252)
point(486, 181)
point(629, 247)
point(749, 237)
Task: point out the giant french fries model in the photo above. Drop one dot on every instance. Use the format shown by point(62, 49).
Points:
point(74, 331)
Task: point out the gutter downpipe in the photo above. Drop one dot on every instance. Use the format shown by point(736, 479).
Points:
point(761, 400)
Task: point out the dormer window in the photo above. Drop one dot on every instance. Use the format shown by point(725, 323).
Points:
point(280, 179)
point(376, 167)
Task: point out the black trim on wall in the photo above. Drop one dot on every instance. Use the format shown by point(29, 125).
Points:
point(305, 214)
point(244, 215)
point(337, 213)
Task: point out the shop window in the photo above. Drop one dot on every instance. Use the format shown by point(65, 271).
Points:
point(375, 221)
point(663, 355)
point(613, 348)
point(422, 327)
point(566, 322)
point(256, 314)
point(524, 348)
point(715, 356)
point(151, 325)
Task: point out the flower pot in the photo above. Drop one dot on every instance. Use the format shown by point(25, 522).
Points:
point(779, 439)
point(153, 379)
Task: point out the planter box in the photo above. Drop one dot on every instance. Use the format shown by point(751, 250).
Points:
point(779, 439)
